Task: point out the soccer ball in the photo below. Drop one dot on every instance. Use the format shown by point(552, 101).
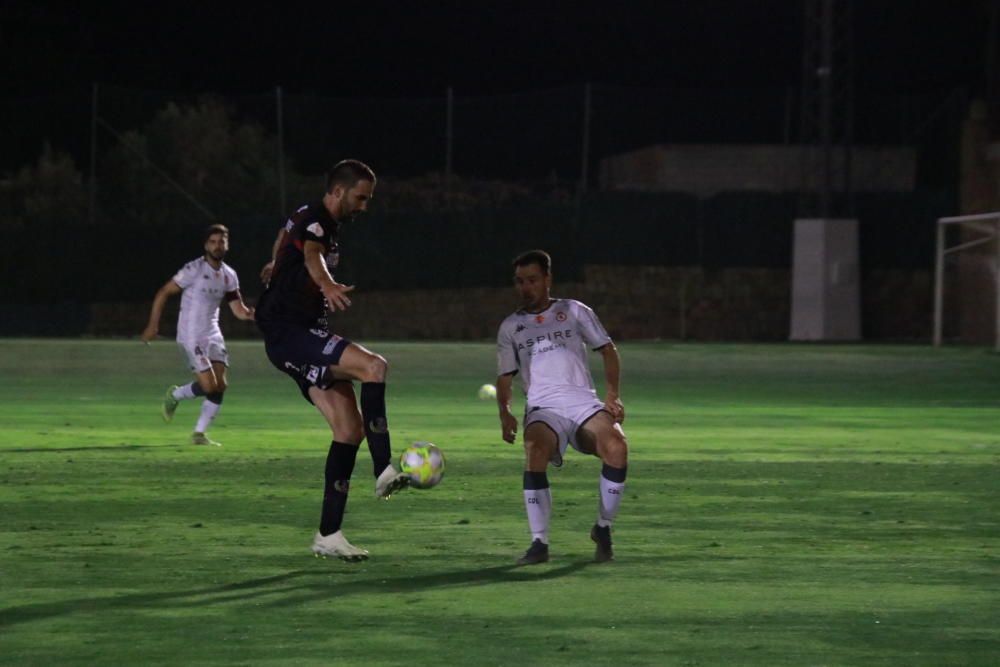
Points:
point(423, 462)
point(487, 391)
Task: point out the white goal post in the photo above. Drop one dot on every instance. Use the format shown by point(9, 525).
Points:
point(985, 223)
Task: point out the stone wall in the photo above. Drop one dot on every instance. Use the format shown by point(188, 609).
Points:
point(634, 302)
point(706, 170)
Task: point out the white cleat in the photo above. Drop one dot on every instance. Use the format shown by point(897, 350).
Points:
point(389, 482)
point(336, 545)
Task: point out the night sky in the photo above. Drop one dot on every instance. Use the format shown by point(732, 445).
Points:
point(416, 49)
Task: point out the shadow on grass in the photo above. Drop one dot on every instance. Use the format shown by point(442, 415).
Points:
point(41, 450)
point(303, 582)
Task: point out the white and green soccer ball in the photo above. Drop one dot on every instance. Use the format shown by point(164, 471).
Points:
point(486, 392)
point(423, 462)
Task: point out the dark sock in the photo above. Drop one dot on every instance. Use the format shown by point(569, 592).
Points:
point(376, 426)
point(533, 481)
point(196, 389)
point(614, 474)
point(214, 397)
point(339, 466)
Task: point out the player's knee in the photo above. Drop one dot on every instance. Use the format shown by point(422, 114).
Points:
point(352, 434)
point(376, 368)
point(221, 385)
point(537, 454)
point(615, 450)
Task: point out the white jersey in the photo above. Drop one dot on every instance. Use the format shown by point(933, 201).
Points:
point(204, 288)
point(549, 349)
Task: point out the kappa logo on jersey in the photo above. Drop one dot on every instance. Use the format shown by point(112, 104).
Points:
point(316, 229)
point(560, 317)
point(519, 328)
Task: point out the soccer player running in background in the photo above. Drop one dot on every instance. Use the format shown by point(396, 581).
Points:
point(205, 282)
point(546, 342)
point(292, 316)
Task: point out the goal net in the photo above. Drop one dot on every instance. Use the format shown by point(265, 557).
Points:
point(967, 279)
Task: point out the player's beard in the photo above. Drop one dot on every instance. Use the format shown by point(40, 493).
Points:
point(217, 255)
point(531, 303)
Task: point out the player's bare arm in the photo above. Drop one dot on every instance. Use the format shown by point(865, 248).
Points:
point(239, 308)
point(265, 273)
point(335, 293)
point(508, 422)
point(612, 375)
point(169, 289)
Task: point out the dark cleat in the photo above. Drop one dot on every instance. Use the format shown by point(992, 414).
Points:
point(602, 537)
point(538, 552)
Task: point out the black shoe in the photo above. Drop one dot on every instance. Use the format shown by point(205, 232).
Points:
point(538, 552)
point(602, 537)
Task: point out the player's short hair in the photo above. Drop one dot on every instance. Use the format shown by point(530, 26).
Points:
point(347, 173)
point(216, 229)
point(539, 257)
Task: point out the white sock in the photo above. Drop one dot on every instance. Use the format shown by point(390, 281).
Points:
point(538, 503)
point(611, 498)
point(208, 412)
point(184, 392)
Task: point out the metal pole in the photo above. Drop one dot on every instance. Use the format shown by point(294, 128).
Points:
point(93, 155)
point(848, 79)
point(938, 282)
point(448, 143)
point(585, 148)
point(787, 126)
point(826, 107)
point(996, 280)
point(279, 105)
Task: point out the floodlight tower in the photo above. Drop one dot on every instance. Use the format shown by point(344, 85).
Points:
point(825, 273)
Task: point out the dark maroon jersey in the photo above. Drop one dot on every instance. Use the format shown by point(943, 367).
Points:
point(292, 297)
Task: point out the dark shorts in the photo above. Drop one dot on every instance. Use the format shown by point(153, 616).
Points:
point(304, 354)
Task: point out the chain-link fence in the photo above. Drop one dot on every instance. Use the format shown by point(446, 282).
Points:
point(132, 176)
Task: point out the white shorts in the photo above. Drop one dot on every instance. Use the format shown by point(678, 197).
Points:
point(202, 352)
point(564, 421)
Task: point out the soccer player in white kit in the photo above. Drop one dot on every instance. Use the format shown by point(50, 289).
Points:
point(546, 342)
point(205, 282)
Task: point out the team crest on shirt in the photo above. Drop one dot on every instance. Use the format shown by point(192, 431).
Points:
point(315, 229)
point(560, 317)
point(539, 318)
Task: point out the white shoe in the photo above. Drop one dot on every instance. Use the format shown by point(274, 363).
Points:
point(335, 544)
point(389, 482)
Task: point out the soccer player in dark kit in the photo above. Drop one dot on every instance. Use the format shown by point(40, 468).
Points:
point(292, 316)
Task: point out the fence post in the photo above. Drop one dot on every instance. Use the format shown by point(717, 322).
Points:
point(585, 143)
point(448, 143)
point(93, 155)
point(279, 103)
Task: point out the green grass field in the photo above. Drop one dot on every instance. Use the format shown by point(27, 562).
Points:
point(786, 504)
